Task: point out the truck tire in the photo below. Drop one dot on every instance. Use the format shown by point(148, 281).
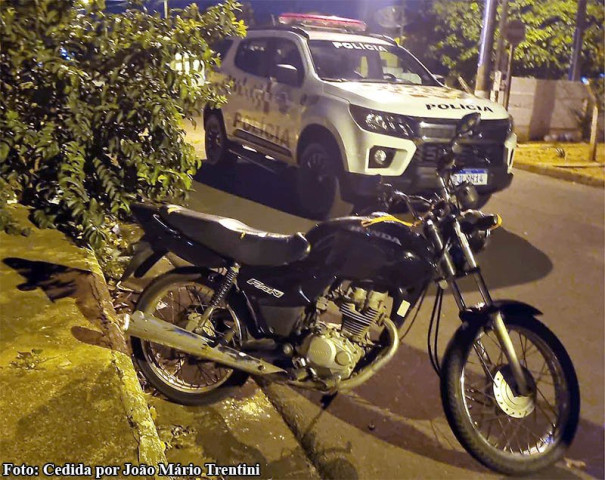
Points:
point(318, 179)
point(215, 141)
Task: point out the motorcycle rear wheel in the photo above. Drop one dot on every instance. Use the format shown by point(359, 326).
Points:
point(514, 435)
point(181, 377)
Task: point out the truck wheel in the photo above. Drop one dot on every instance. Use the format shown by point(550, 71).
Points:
point(216, 143)
point(317, 181)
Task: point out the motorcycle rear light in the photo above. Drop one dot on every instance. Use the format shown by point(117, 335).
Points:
point(325, 21)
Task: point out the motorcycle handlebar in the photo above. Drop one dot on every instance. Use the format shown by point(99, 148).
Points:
point(395, 197)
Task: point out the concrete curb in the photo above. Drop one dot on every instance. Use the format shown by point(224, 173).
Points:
point(298, 415)
point(560, 173)
point(151, 448)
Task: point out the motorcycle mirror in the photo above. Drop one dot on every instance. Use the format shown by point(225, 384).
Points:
point(468, 123)
point(467, 195)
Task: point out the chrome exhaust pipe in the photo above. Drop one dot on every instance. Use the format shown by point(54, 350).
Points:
point(149, 327)
point(365, 374)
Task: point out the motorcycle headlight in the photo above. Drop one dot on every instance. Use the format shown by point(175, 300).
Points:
point(383, 122)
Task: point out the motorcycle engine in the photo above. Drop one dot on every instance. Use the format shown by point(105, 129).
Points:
point(334, 350)
point(329, 353)
point(360, 309)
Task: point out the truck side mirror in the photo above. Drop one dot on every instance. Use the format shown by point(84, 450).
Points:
point(287, 74)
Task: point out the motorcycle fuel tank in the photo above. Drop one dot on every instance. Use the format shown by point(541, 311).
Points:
point(385, 252)
point(379, 248)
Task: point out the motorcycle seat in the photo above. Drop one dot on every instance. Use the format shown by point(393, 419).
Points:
point(233, 239)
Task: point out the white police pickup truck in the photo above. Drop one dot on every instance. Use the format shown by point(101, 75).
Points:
point(343, 106)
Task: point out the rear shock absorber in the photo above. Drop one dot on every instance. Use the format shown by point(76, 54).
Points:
point(196, 324)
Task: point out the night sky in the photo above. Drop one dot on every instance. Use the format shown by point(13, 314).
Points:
point(263, 9)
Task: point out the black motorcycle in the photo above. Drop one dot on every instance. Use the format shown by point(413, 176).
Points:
point(326, 311)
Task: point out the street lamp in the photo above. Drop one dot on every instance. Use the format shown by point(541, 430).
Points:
point(574, 68)
point(485, 49)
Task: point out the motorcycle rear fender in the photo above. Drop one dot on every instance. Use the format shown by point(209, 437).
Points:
point(143, 260)
point(159, 239)
point(506, 307)
point(236, 299)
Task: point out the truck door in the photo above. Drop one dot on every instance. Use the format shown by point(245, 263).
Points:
point(285, 109)
point(246, 113)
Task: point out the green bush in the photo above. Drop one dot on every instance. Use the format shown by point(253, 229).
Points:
point(446, 33)
point(91, 110)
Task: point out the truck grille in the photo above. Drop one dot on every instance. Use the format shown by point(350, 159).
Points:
point(439, 130)
point(484, 148)
point(473, 155)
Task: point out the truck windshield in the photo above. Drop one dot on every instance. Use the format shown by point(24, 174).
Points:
point(367, 62)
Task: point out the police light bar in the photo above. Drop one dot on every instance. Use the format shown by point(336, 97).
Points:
point(349, 24)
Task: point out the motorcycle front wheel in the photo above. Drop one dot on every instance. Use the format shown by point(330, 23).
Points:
point(175, 297)
point(509, 433)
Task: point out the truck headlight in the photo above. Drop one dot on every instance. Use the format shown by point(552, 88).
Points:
point(382, 122)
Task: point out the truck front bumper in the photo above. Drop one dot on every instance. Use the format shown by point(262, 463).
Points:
point(424, 180)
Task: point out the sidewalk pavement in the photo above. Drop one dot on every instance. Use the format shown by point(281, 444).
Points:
point(567, 161)
point(69, 390)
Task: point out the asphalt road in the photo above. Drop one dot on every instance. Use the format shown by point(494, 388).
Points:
point(549, 253)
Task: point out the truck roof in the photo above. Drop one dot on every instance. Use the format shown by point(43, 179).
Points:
point(333, 35)
point(317, 34)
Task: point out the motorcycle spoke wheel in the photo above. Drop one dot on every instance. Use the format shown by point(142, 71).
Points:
point(508, 432)
point(185, 378)
point(519, 424)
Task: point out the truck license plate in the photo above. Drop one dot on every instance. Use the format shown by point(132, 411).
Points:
point(476, 176)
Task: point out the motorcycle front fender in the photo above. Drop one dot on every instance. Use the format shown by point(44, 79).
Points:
point(505, 307)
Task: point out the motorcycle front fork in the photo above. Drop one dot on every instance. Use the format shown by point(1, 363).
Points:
point(497, 321)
